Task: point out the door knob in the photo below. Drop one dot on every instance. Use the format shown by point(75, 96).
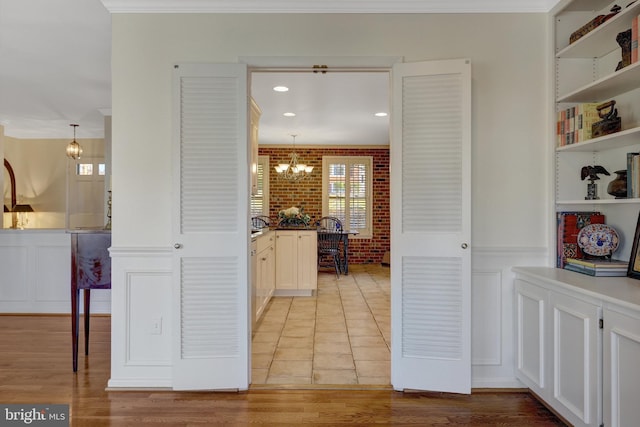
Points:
point(177, 245)
point(464, 246)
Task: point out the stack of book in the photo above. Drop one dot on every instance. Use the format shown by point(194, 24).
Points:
point(575, 123)
point(634, 39)
point(597, 267)
point(633, 175)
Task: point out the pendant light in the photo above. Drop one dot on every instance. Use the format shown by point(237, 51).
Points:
point(74, 150)
point(293, 171)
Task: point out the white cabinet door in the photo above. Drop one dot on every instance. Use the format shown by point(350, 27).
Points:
point(296, 260)
point(621, 355)
point(531, 306)
point(575, 346)
point(307, 260)
point(261, 282)
point(286, 260)
point(265, 260)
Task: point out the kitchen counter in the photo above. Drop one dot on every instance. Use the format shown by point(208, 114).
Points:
point(36, 272)
point(622, 291)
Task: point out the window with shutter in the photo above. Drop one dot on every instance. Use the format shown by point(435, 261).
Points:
point(346, 191)
point(260, 201)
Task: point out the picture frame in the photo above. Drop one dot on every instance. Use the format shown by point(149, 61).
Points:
point(633, 270)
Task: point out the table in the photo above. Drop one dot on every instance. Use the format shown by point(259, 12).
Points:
point(344, 260)
point(90, 269)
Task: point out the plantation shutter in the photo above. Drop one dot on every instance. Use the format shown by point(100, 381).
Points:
point(337, 191)
point(358, 196)
point(257, 200)
point(347, 185)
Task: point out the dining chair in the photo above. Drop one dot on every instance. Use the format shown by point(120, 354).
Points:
point(329, 223)
point(329, 246)
point(260, 221)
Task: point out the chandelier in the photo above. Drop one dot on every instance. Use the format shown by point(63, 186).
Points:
point(74, 150)
point(293, 171)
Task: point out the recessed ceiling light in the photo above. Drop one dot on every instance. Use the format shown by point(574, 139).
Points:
point(281, 89)
point(289, 114)
point(381, 114)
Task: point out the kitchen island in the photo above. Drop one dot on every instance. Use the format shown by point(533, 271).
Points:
point(35, 265)
point(284, 263)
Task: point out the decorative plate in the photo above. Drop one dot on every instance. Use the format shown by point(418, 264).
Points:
point(598, 240)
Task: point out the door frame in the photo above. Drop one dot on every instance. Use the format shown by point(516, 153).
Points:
point(355, 64)
point(258, 64)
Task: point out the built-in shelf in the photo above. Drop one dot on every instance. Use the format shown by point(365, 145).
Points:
point(598, 202)
point(625, 138)
point(602, 40)
point(586, 6)
point(607, 87)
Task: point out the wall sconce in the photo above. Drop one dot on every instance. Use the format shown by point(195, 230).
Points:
point(74, 150)
point(23, 218)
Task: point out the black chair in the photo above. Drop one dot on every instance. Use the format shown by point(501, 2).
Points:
point(329, 246)
point(260, 222)
point(328, 223)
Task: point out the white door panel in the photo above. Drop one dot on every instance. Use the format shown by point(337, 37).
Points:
point(210, 227)
point(431, 226)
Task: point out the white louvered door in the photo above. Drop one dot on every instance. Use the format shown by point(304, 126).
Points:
point(210, 227)
point(431, 226)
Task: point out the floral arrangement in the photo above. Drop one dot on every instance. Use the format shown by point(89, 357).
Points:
point(293, 217)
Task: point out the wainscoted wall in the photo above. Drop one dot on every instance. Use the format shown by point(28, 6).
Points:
point(147, 297)
point(493, 313)
point(35, 273)
point(142, 312)
point(308, 194)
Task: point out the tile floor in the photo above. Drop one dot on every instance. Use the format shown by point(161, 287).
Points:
point(340, 336)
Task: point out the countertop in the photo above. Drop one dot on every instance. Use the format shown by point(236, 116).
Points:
point(623, 291)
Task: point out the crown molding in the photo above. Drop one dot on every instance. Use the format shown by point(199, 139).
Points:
point(329, 6)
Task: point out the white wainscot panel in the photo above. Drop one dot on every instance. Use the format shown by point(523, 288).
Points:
point(53, 273)
point(493, 313)
point(141, 289)
point(149, 340)
point(14, 284)
point(36, 273)
point(486, 309)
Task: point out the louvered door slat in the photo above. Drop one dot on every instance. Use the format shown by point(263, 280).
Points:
point(432, 301)
point(432, 153)
point(209, 157)
point(211, 227)
point(430, 208)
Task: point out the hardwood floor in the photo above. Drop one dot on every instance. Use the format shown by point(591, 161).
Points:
point(36, 367)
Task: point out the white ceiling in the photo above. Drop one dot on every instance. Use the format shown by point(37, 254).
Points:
point(55, 68)
point(331, 108)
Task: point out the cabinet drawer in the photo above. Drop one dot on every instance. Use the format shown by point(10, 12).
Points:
point(265, 241)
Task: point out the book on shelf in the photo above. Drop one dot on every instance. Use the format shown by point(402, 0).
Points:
point(606, 272)
point(574, 123)
point(599, 263)
point(634, 39)
point(587, 116)
point(633, 175)
point(569, 224)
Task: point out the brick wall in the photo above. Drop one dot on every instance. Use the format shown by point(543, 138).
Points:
point(308, 194)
